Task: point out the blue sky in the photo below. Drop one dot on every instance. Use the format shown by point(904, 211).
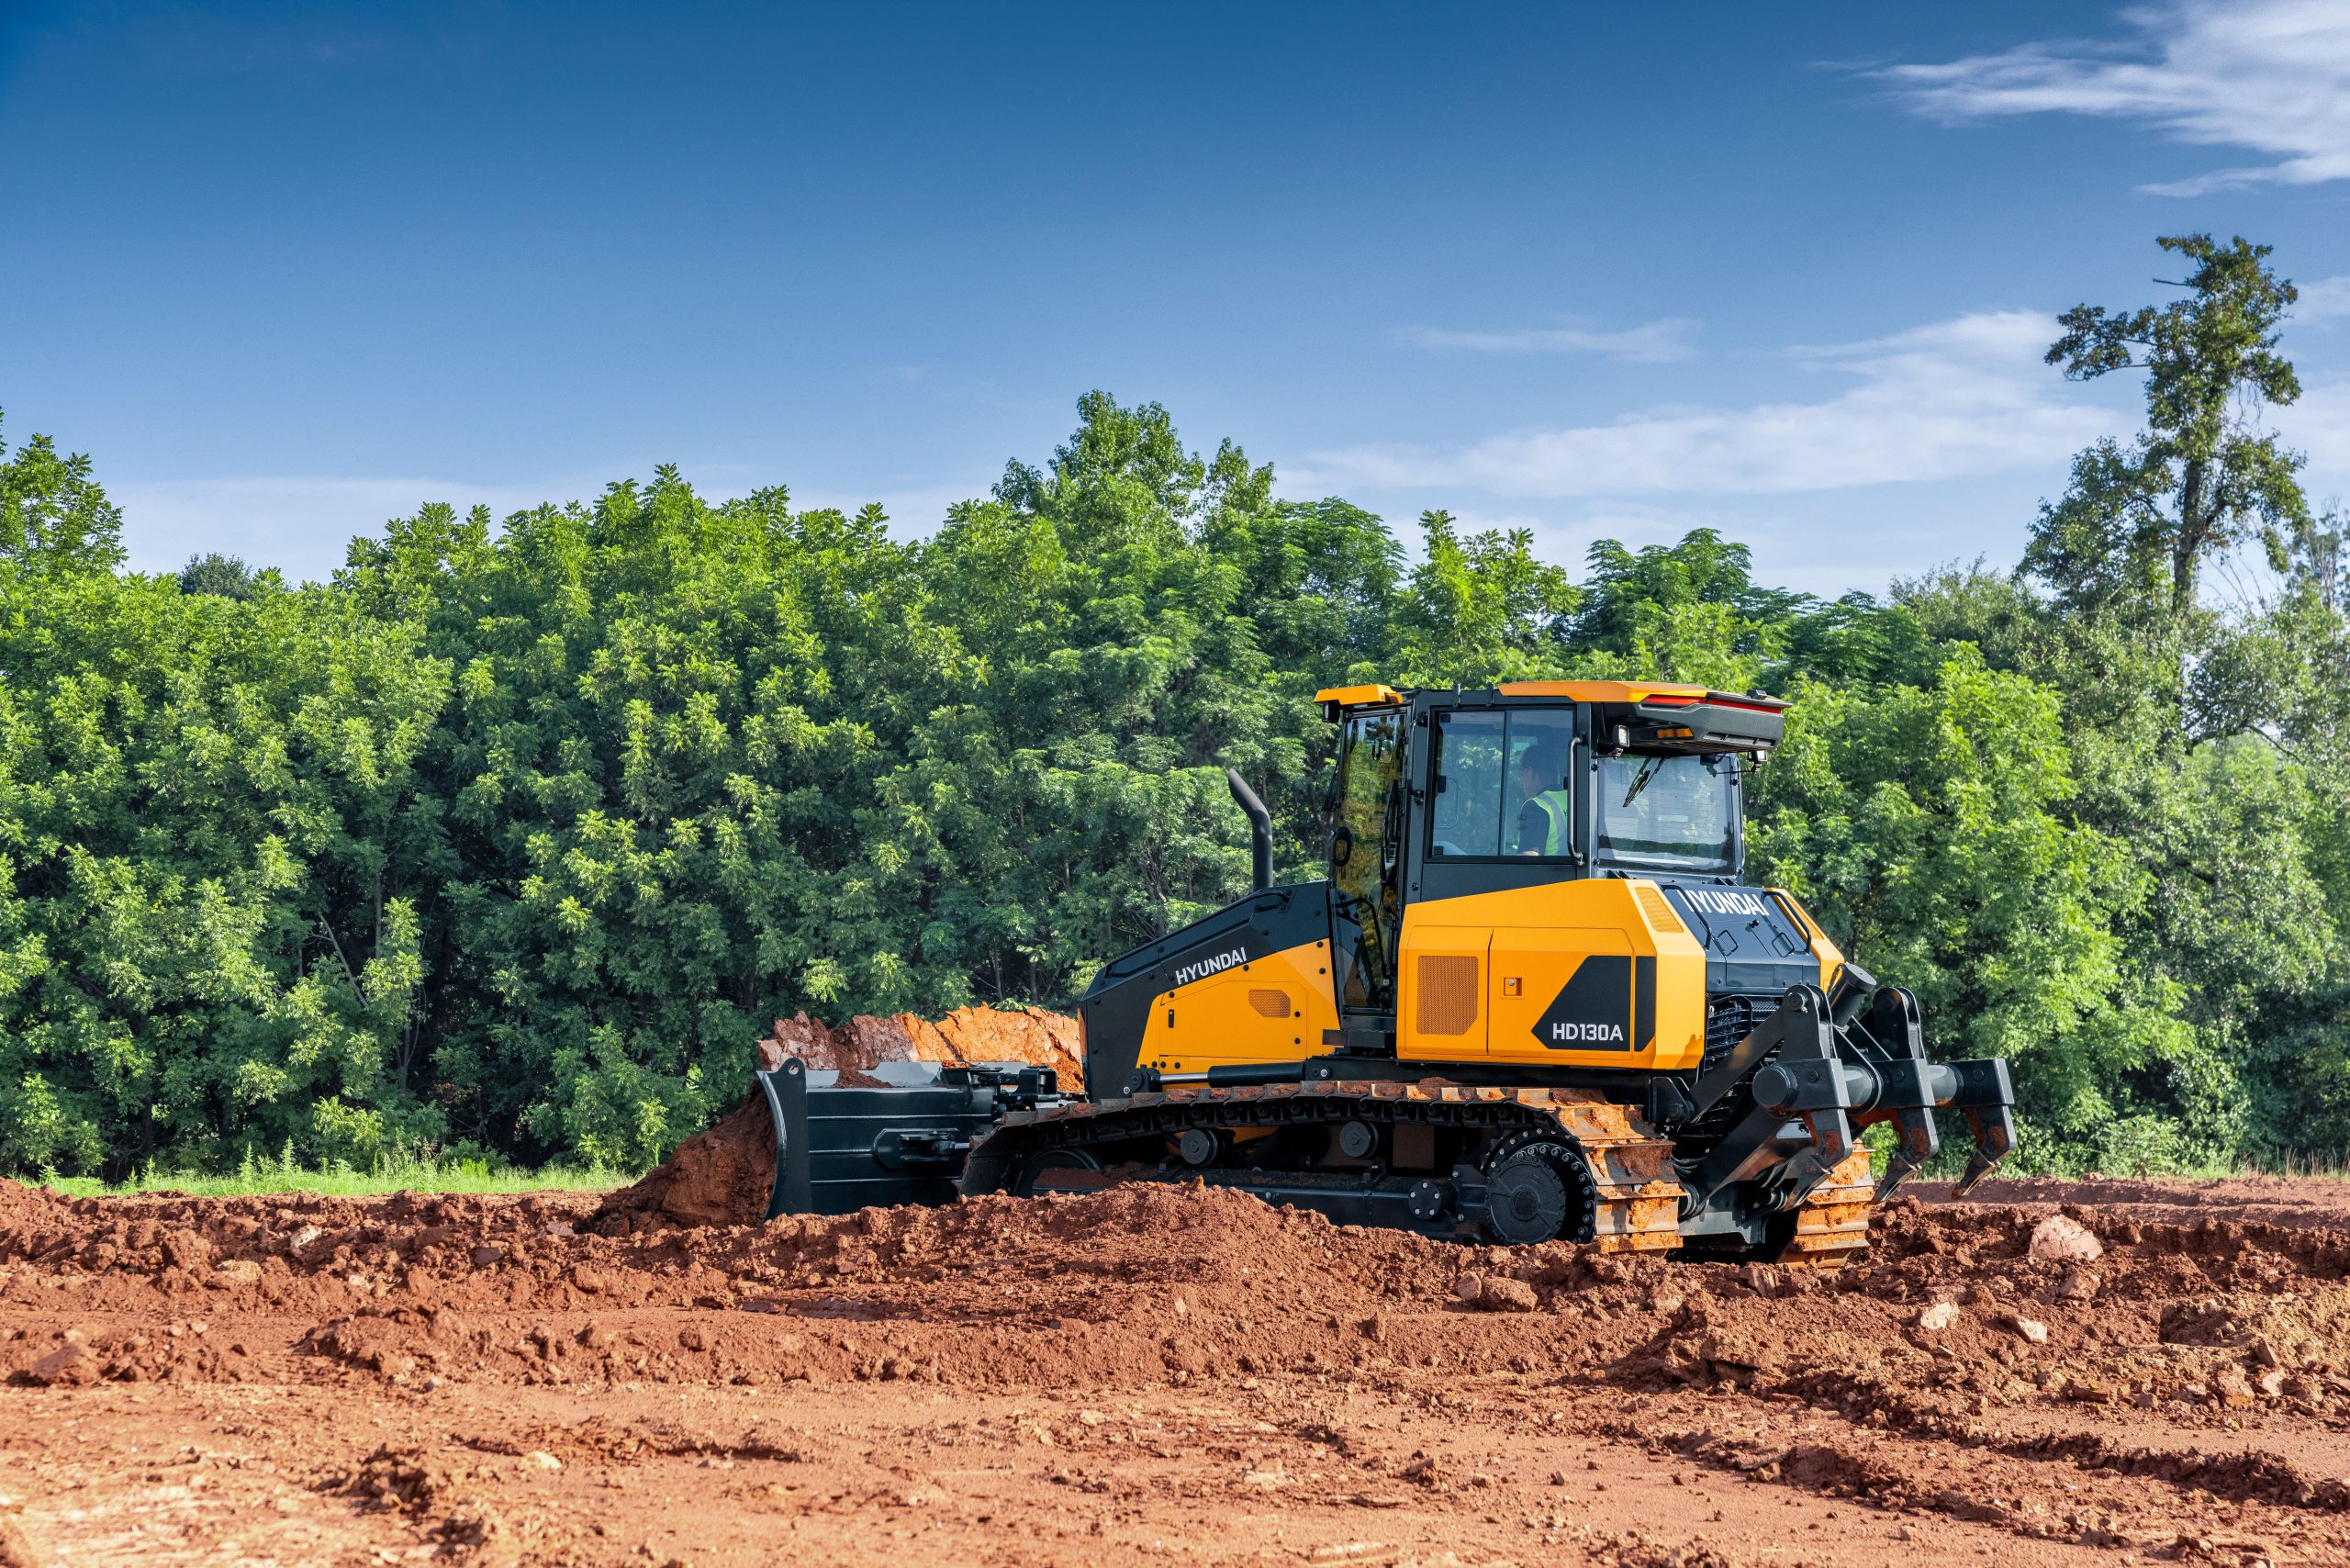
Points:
point(288, 270)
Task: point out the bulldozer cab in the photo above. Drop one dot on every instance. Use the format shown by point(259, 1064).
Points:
point(1442, 795)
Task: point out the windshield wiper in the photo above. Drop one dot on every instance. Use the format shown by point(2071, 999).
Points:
point(1648, 765)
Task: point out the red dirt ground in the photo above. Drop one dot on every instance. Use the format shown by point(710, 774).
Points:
point(1167, 1375)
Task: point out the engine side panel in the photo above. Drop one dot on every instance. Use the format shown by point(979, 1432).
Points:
point(1118, 1009)
point(1830, 957)
point(1597, 972)
point(1272, 1008)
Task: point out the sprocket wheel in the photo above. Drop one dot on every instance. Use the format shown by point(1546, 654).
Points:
point(1540, 1191)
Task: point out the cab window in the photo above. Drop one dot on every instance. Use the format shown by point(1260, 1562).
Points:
point(1365, 843)
point(1468, 817)
point(1502, 784)
point(1537, 797)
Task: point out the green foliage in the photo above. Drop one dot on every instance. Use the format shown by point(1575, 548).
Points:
point(397, 1172)
point(55, 520)
point(516, 833)
point(203, 943)
point(226, 575)
point(1481, 610)
point(1923, 826)
point(1685, 612)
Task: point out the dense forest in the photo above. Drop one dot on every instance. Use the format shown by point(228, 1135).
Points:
point(506, 840)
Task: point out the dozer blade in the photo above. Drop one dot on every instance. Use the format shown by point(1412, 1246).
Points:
point(901, 1138)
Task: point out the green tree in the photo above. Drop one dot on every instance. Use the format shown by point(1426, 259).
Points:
point(203, 948)
point(2137, 522)
point(55, 519)
point(1147, 618)
point(1482, 608)
point(656, 796)
point(1925, 827)
point(226, 575)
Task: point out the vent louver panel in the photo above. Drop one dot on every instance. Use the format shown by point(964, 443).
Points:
point(1448, 985)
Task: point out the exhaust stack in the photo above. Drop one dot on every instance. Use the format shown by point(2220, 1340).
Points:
point(1260, 831)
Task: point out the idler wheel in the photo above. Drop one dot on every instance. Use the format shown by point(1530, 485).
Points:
point(1052, 1170)
point(1200, 1146)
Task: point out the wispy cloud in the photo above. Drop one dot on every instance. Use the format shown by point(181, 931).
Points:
point(2270, 75)
point(2327, 299)
point(1650, 342)
point(1956, 398)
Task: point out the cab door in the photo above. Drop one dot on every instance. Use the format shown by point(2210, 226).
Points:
point(1365, 856)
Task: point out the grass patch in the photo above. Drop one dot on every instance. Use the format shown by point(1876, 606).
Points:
point(407, 1174)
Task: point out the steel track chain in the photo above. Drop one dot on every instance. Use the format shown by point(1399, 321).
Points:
point(1639, 1198)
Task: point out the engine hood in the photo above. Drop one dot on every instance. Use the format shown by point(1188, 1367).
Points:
point(1752, 944)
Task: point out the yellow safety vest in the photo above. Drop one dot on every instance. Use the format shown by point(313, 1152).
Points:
point(1558, 834)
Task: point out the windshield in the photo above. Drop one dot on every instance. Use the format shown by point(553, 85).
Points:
point(1669, 811)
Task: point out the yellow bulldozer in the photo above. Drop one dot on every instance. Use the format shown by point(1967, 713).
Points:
point(1531, 1000)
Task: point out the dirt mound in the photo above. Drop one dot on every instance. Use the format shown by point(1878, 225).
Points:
point(990, 1034)
point(723, 1175)
point(965, 1035)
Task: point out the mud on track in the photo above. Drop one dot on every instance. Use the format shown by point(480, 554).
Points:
point(1165, 1375)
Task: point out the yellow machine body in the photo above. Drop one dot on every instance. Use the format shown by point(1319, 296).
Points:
point(1475, 978)
point(1275, 1008)
point(1479, 978)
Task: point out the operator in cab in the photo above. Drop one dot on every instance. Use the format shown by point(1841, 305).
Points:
point(1545, 821)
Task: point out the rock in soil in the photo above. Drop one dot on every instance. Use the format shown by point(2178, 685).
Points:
point(2060, 1238)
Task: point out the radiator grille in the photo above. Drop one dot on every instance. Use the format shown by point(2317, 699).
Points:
point(1271, 1004)
point(1652, 904)
point(1448, 993)
point(1729, 1019)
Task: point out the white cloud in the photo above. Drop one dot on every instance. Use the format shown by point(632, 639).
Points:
point(304, 525)
point(301, 525)
point(2318, 427)
point(1650, 343)
point(2271, 75)
point(2327, 299)
point(1957, 399)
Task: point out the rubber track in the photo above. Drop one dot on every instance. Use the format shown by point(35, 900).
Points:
point(1640, 1199)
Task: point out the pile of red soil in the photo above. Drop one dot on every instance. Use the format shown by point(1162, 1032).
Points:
point(967, 1035)
point(1949, 1315)
point(723, 1175)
